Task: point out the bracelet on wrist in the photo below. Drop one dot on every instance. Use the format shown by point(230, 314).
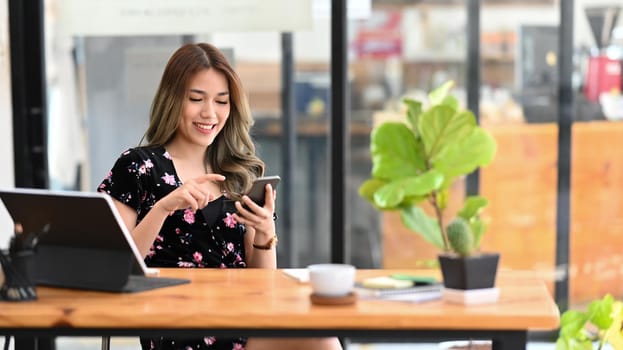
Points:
point(272, 242)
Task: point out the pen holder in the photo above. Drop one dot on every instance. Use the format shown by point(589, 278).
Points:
point(18, 268)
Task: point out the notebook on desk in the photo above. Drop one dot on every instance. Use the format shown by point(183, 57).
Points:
point(82, 241)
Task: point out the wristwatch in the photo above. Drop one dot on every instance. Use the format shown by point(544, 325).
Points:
point(269, 245)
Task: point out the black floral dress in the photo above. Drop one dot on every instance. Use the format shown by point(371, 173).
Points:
point(206, 238)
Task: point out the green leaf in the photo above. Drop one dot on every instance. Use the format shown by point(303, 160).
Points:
point(389, 196)
point(443, 195)
point(422, 184)
point(572, 323)
point(412, 200)
point(614, 334)
point(414, 109)
point(437, 95)
point(416, 220)
point(441, 127)
point(461, 158)
point(451, 102)
point(367, 189)
point(478, 229)
point(601, 323)
point(472, 206)
point(564, 343)
point(395, 152)
point(599, 312)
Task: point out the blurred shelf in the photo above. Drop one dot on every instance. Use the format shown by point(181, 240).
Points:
point(307, 127)
point(456, 57)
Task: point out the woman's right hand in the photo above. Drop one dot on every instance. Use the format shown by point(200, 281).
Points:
point(193, 194)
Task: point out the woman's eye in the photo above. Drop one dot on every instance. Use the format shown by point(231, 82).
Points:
point(195, 99)
point(222, 102)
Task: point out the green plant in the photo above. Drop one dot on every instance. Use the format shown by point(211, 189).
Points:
point(599, 326)
point(417, 161)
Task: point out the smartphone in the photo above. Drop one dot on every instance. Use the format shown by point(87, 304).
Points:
point(258, 189)
point(256, 193)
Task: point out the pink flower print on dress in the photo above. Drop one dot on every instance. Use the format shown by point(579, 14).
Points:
point(230, 221)
point(178, 231)
point(159, 238)
point(168, 179)
point(230, 246)
point(197, 256)
point(238, 346)
point(185, 264)
point(141, 170)
point(209, 340)
point(189, 216)
point(166, 155)
point(148, 164)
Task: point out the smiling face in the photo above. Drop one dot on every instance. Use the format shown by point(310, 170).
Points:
point(205, 110)
point(199, 97)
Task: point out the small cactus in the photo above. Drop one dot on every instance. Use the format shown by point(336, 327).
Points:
point(460, 236)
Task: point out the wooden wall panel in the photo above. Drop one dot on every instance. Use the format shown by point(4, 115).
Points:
point(597, 210)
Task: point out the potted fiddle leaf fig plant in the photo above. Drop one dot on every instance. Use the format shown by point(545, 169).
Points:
point(416, 162)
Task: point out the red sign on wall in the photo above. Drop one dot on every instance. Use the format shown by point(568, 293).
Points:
point(379, 36)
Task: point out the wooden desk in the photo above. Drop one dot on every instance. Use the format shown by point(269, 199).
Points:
point(258, 302)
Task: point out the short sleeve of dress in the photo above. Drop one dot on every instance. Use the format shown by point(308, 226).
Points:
point(123, 182)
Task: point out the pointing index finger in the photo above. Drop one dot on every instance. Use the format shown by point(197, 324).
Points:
point(210, 177)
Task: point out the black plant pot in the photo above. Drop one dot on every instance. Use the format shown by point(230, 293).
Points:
point(472, 272)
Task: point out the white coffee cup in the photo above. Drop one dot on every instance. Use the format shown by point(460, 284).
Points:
point(331, 280)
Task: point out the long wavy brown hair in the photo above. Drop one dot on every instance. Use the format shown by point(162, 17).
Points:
point(232, 153)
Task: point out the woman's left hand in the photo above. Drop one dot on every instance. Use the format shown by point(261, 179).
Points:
point(260, 218)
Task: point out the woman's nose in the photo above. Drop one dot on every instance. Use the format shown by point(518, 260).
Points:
point(208, 111)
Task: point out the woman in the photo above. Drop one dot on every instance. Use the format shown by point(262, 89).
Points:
point(197, 155)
